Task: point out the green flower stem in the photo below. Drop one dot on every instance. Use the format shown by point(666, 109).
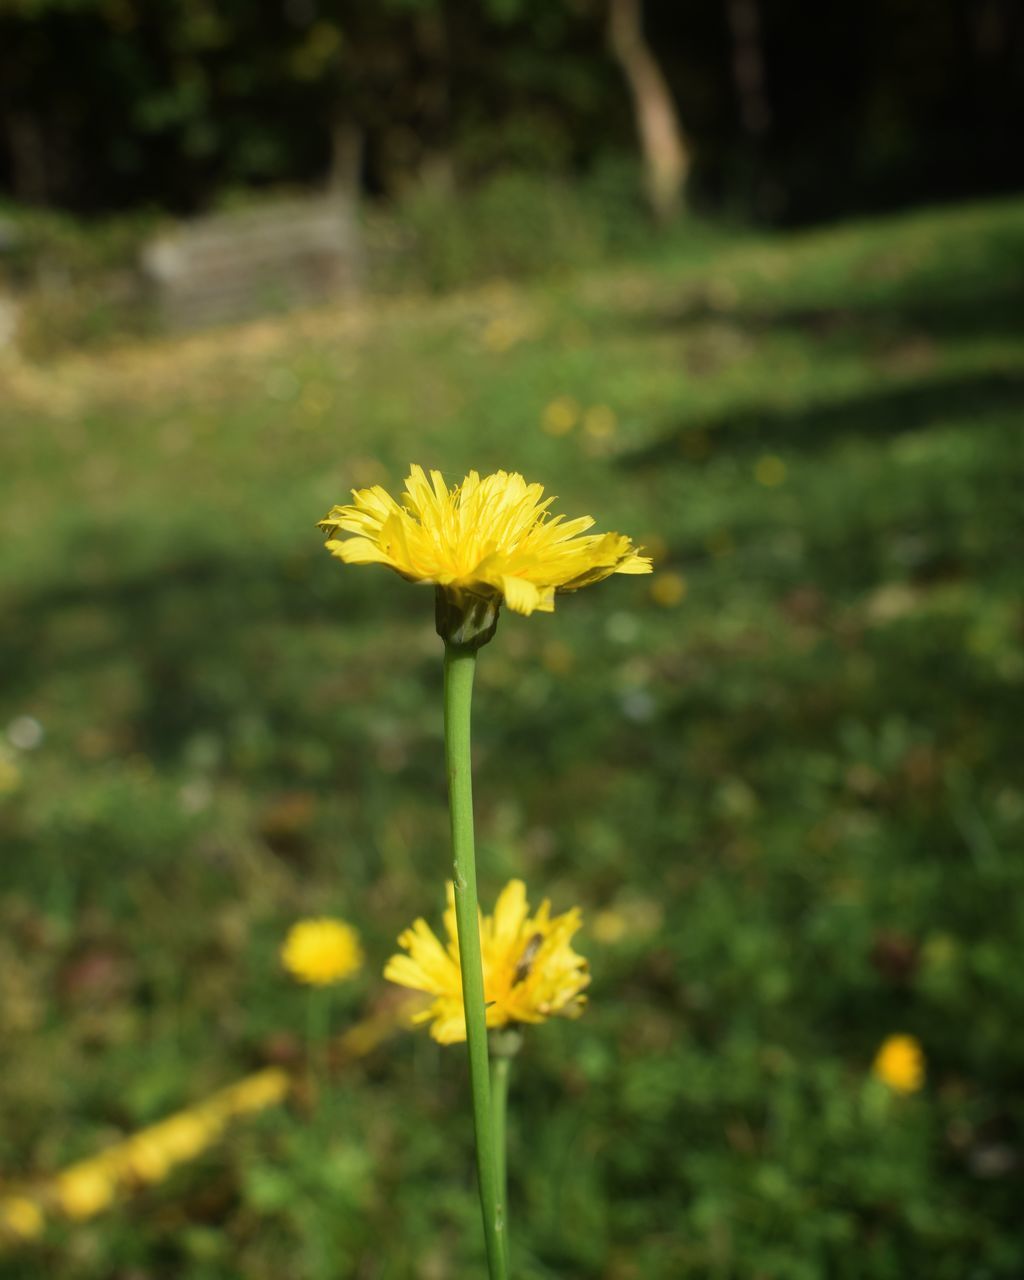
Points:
point(500, 1066)
point(459, 668)
point(318, 1034)
point(504, 1045)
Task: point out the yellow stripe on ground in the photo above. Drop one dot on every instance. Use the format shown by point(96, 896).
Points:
point(88, 1187)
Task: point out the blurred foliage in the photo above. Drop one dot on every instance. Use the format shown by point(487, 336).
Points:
point(511, 226)
point(110, 104)
point(76, 281)
point(41, 242)
point(78, 284)
point(782, 777)
point(172, 103)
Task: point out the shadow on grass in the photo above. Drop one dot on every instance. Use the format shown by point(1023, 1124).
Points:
point(190, 646)
point(814, 426)
point(990, 306)
point(961, 289)
point(964, 293)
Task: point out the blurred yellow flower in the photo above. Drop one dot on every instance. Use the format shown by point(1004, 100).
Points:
point(488, 539)
point(900, 1064)
point(600, 421)
point(22, 1217)
point(86, 1189)
point(610, 926)
point(560, 416)
point(668, 589)
point(631, 917)
point(770, 471)
point(322, 951)
point(504, 332)
point(531, 972)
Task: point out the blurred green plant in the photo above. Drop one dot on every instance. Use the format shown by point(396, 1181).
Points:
point(512, 225)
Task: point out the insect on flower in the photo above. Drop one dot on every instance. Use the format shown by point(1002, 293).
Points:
point(526, 959)
point(531, 972)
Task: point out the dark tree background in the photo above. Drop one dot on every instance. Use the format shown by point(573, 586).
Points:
point(790, 111)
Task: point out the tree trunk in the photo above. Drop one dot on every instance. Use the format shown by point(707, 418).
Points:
point(345, 186)
point(748, 66)
point(665, 152)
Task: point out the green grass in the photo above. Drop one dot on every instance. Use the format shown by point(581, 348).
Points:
point(800, 786)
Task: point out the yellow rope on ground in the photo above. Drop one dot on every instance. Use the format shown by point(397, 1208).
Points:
point(88, 1187)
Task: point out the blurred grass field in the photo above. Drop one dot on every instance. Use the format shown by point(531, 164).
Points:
point(782, 776)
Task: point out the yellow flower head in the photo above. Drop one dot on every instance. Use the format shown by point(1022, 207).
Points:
point(668, 589)
point(489, 539)
point(899, 1063)
point(321, 952)
point(531, 972)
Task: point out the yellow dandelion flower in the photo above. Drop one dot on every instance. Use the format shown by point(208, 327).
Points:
point(22, 1217)
point(560, 416)
point(900, 1064)
point(503, 333)
point(600, 421)
point(85, 1189)
point(655, 546)
point(321, 952)
point(629, 918)
point(668, 589)
point(610, 926)
point(485, 541)
point(531, 972)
